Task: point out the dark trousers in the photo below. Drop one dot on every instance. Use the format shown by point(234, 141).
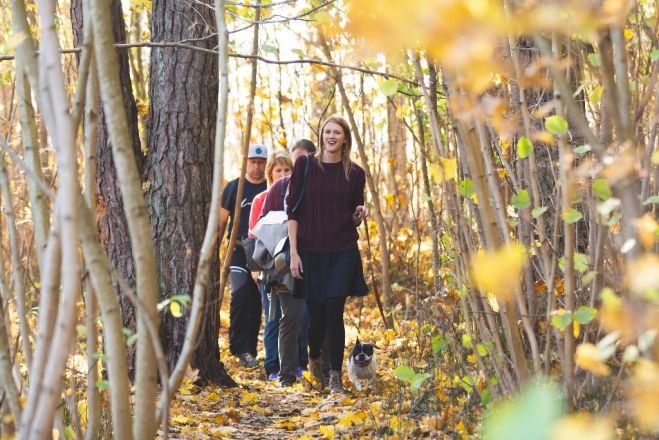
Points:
point(245, 312)
point(326, 321)
point(289, 330)
point(271, 335)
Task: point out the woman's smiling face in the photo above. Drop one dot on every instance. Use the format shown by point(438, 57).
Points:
point(333, 138)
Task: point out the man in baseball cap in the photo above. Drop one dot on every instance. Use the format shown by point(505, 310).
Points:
point(257, 151)
point(245, 310)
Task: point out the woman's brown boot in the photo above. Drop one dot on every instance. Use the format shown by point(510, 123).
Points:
point(316, 370)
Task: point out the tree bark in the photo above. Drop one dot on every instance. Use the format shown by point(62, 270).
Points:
point(112, 224)
point(181, 134)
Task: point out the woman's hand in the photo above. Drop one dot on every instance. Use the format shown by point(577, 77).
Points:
point(296, 266)
point(361, 213)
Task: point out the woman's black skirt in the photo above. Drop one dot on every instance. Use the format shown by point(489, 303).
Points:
point(330, 275)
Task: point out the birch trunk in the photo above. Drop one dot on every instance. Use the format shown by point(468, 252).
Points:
point(136, 216)
point(56, 112)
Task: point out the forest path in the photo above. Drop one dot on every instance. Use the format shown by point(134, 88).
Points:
point(260, 409)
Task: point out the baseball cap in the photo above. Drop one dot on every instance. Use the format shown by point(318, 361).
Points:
point(257, 151)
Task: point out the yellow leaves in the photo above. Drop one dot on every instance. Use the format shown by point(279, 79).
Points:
point(248, 398)
point(643, 274)
point(261, 92)
point(618, 168)
point(643, 393)
point(499, 271)
point(327, 431)
point(288, 424)
point(588, 358)
point(582, 426)
point(350, 419)
point(647, 230)
point(443, 171)
point(213, 396)
point(180, 419)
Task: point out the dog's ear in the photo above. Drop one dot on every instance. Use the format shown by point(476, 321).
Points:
point(375, 346)
point(357, 342)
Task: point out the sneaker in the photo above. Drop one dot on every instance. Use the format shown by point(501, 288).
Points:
point(273, 376)
point(335, 384)
point(299, 371)
point(248, 361)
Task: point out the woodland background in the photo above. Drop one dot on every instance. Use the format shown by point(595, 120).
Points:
point(511, 161)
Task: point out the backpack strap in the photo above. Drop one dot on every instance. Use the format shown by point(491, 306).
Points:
point(304, 183)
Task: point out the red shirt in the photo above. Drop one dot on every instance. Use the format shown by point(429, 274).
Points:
point(255, 212)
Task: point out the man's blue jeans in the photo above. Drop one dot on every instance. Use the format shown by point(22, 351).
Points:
point(271, 336)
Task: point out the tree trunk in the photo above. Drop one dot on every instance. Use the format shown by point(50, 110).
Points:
point(181, 133)
point(112, 223)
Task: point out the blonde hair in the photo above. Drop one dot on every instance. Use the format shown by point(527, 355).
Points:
point(282, 157)
point(345, 149)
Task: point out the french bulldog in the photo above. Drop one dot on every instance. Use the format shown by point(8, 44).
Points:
point(361, 364)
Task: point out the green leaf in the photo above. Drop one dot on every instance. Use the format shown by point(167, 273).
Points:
point(654, 55)
point(404, 373)
point(595, 96)
point(439, 343)
point(602, 189)
point(269, 49)
point(175, 309)
point(467, 383)
point(537, 212)
point(418, 380)
point(521, 199)
point(485, 397)
point(581, 262)
point(69, 433)
point(484, 348)
point(594, 59)
point(556, 125)
point(298, 52)
point(561, 321)
point(131, 341)
point(466, 341)
point(529, 415)
point(581, 150)
point(571, 215)
point(102, 385)
point(584, 314)
point(389, 87)
point(82, 330)
point(467, 187)
point(425, 198)
point(589, 277)
point(524, 147)
point(652, 200)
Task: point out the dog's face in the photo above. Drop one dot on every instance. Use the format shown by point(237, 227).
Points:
point(362, 353)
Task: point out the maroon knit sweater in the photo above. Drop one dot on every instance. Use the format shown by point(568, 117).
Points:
point(325, 215)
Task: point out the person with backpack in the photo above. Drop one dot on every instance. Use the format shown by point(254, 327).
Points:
point(245, 308)
point(324, 256)
point(285, 333)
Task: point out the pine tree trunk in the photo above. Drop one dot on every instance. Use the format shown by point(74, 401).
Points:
point(183, 103)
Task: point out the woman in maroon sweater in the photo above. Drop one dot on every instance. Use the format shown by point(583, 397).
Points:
point(323, 237)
